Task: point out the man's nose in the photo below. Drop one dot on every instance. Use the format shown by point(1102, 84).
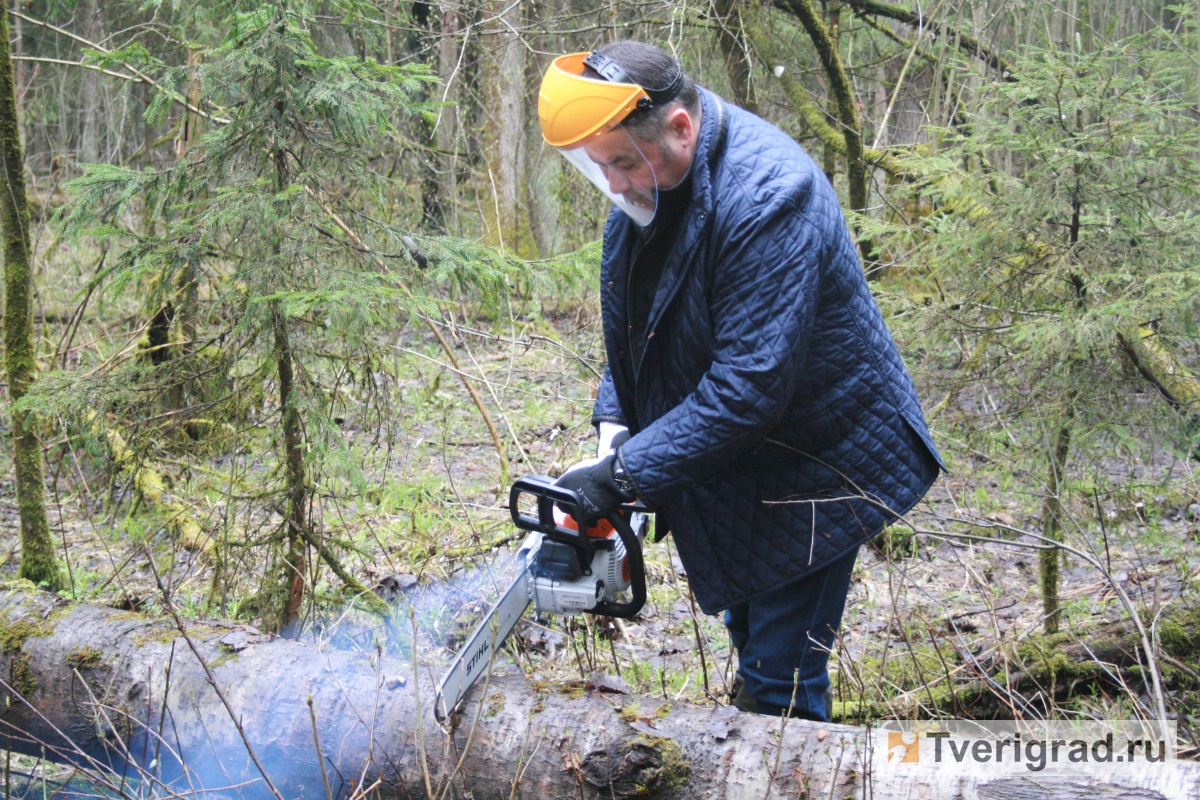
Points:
point(617, 182)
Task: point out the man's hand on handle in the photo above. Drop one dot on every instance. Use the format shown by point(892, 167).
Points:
point(599, 493)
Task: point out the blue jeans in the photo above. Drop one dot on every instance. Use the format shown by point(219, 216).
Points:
point(783, 639)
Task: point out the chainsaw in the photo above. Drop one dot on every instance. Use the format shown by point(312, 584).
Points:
point(561, 570)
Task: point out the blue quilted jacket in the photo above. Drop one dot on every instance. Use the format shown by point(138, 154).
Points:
point(775, 426)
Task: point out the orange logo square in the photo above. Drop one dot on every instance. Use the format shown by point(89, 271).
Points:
point(903, 747)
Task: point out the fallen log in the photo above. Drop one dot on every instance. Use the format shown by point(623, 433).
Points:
point(1040, 670)
point(137, 699)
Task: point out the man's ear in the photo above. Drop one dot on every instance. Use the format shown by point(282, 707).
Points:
point(680, 125)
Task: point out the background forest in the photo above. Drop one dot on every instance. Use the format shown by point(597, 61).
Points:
point(308, 291)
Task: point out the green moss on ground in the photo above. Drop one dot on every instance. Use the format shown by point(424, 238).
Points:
point(158, 633)
point(1045, 656)
point(167, 633)
point(227, 655)
point(1179, 634)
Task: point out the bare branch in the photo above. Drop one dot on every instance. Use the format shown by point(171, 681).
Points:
point(136, 75)
point(965, 42)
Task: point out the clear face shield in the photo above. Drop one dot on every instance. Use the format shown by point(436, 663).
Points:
point(617, 166)
point(581, 116)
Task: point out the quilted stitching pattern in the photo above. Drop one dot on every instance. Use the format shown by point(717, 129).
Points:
point(771, 401)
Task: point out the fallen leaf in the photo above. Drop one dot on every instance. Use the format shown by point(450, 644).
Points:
point(723, 722)
point(603, 682)
point(645, 727)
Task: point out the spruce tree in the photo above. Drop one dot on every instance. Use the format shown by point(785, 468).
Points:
point(1065, 232)
point(263, 220)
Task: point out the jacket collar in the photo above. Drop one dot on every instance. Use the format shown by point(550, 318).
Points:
point(620, 228)
point(714, 124)
point(709, 148)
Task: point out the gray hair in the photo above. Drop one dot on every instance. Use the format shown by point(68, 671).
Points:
point(650, 67)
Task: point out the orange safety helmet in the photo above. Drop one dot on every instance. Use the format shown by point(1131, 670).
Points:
point(572, 108)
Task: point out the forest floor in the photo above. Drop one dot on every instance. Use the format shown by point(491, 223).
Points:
point(431, 535)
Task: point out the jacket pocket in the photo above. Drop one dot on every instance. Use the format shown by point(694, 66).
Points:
point(809, 438)
point(922, 432)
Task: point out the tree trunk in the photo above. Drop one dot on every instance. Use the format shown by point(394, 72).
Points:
point(89, 111)
point(180, 330)
point(295, 558)
point(845, 110)
point(502, 76)
point(446, 135)
point(1052, 517)
point(192, 127)
point(38, 563)
point(844, 106)
point(136, 695)
point(289, 588)
point(734, 49)
point(433, 211)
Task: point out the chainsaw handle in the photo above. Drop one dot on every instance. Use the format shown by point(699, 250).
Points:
point(548, 495)
point(637, 572)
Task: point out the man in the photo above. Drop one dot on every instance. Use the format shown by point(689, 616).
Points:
point(753, 395)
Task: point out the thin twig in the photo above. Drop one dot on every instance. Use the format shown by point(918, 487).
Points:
point(80, 64)
point(522, 761)
point(412, 616)
point(312, 714)
point(138, 75)
point(782, 730)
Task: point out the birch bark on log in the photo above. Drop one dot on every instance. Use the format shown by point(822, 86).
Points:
point(118, 687)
